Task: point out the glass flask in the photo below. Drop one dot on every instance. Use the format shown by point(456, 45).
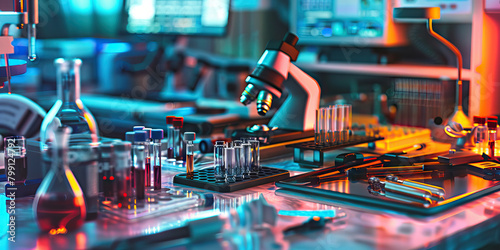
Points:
point(59, 205)
point(68, 110)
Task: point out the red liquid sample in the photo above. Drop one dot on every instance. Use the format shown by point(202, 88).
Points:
point(132, 179)
point(108, 185)
point(18, 166)
point(59, 212)
point(491, 145)
point(139, 184)
point(157, 175)
point(123, 191)
point(148, 173)
point(170, 153)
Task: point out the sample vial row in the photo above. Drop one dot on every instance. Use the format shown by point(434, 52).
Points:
point(236, 160)
point(333, 125)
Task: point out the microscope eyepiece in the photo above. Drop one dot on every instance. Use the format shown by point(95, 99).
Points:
point(264, 102)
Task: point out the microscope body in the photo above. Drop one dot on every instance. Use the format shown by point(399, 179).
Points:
point(297, 113)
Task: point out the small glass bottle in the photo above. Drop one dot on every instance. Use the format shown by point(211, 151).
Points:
point(149, 152)
point(157, 136)
point(170, 138)
point(492, 136)
point(219, 166)
point(139, 148)
point(129, 136)
point(230, 164)
point(239, 159)
point(15, 159)
point(255, 158)
point(107, 169)
point(68, 110)
point(189, 137)
point(178, 142)
point(59, 205)
point(123, 175)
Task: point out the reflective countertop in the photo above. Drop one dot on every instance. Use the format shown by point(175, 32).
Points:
point(472, 225)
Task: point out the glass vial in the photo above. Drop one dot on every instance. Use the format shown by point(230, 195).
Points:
point(219, 169)
point(149, 151)
point(230, 164)
point(129, 136)
point(170, 139)
point(15, 159)
point(255, 157)
point(492, 136)
point(178, 143)
point(139, 148)
point(239, 160)
point(189, 137)
point(156, 136)
point(123, 178)
point(59, 205)
point(68, 110)
point(107, 171)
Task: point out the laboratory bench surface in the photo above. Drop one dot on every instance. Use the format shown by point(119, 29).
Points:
point(473, 225)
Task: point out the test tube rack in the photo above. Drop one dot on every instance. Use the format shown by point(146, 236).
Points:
point(205, 179)
point(318, 151)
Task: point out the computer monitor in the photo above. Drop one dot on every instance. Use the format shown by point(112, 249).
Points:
point(177, 17)
point(346, 22)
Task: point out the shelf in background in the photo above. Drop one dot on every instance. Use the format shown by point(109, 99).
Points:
point(393, 70)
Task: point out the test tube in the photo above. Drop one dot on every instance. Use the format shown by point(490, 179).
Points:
point(148, 152)
point(107, 179)
point(317, 128)
point(139, 149)
point(15, 159)
point(247, 158)
point(178, 143)
point(255, 157)
point(340, 123)
point(230, 164)
point(129, 136)
point(238, 159)
point(189, 137)
point(347, 122)
point(170, 138)
point(331, 125)
point(122, 173)
point(219, 169)
point(156, 136)
point(492, 136)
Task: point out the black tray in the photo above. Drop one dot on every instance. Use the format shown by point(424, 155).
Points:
point(205, 179)
point(318, 159)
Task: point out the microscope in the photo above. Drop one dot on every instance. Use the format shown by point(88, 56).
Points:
point(25, 14)
point(296, 116)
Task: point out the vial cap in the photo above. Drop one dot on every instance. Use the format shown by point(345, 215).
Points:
point(189, 136)
point(139, 128)
point(129, 136)
point(492, 118)
point(476, 119)
point(178, 122)
point(122, 146)
point(148, 130)
point(170, 119)
point(140, 136)
point(157, 134)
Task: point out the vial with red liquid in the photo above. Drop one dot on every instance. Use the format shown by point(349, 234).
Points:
point(106, 161)
point(492, 135)
point(156, 137)
point(59, 204)
point(170, 139)
point(139, 148)
point(149, 152)
point(122, 173)
point(129, 136)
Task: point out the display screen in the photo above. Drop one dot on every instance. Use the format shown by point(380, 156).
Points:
point(339, 18)
point(183, 17)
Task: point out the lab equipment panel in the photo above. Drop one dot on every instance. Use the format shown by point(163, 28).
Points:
point(174, 17)
point(357, 22)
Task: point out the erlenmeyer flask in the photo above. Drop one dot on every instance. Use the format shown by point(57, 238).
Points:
point(59, 205)
point(68, 110)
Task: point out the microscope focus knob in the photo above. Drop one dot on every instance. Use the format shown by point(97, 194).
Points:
point(291, 39)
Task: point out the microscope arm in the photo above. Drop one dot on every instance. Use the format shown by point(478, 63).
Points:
point(298, 111)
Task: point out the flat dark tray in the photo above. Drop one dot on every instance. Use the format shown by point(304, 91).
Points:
point(205, 179)
point(353, 140)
